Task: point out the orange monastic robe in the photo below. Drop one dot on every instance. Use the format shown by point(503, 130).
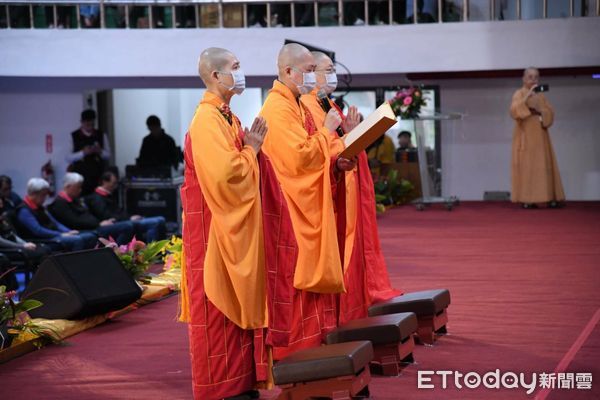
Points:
point(365, 273)
point(535, 175)
point(224, 253)
point(303, 259)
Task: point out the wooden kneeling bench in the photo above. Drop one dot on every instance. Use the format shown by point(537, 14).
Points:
point(391, 336)
point(430, 306)
point(338, 371)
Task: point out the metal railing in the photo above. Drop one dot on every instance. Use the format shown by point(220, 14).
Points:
point(257, 13)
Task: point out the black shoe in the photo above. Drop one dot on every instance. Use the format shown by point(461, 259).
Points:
point(529, 205)
point(553, 204)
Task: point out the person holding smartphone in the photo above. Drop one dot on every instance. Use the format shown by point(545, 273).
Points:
point(535, 174)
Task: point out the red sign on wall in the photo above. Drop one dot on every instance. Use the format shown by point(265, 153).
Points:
point(49, 143)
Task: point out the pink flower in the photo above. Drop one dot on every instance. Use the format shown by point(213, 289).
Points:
point(169, 261)
point(407, 101)
point(135, 245)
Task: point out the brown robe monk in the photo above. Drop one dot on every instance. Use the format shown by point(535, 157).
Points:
point(535, 175)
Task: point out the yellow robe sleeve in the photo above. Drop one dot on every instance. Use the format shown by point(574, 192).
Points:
point(336, 144)
point(234, 268)
point(547, 112)
point(336, 147)
point(518, 108)
point(302, 166)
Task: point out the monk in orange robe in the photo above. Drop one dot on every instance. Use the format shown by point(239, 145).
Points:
point(304, 265)
point(365, 273)
point(535, 175)
point(224, 273)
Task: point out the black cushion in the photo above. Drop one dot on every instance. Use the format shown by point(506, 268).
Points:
point(381, 329)
point(424, 303)
point(323, 362)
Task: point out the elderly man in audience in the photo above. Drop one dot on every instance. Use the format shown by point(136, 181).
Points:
point(103, 205)
point(35, 222)
point(11, 199)
point(69, 209)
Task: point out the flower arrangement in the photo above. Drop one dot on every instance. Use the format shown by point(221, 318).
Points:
point(407, 102)
point(171, 253)
point(136, 256)
point(14, 321)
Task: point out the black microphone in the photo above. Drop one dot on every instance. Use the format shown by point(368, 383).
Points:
point(324, 100)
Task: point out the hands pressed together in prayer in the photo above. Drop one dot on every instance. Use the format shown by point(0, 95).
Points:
point(332, 120)
point(352, 119)
point(255, 136)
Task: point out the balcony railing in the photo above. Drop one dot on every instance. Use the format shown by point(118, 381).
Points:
point(277, 13)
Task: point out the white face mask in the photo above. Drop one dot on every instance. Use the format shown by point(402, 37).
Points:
point(309, 81)
point(239, 81)
point(330, 83)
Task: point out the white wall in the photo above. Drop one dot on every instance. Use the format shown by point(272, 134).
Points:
point(25, 119)
point(476, 155)
point(571, 42)
point(174, 107)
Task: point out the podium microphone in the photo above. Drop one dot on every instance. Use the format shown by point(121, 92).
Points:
point(324, 100)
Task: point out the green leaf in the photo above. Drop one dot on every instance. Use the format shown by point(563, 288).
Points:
point(28, 304)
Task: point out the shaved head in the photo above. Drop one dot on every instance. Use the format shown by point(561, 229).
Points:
point(214, 59)
point(531, 77)
point(530, 69)
point(293, 54)
point(321, 59)
point(324, 68)
point(293, 61)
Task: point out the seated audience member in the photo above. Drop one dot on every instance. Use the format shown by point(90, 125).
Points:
point(35, 222)
point(405, 141)
point(103, 205)
point(158, 148)
point(69, 209)
point(382, 154)
point(10, 198)
point(14, 247)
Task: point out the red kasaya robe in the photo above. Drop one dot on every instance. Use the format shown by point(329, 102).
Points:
point(224, 278)
point(295, 164)
point(365, 272)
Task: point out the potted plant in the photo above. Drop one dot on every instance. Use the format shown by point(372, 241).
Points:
point(136, 256)
point(14, 321)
